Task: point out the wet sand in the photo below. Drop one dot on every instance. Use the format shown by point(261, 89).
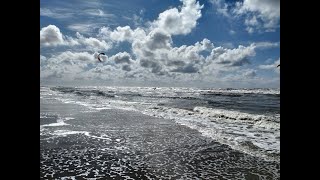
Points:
point(117, 144)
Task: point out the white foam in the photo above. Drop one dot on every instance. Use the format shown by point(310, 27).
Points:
point(55, 124)
point(232, 114)
point(60, 122)
point(68, 118)
point(68, 132)
point(86, 133)
point(235, 131)
point(68, 178)
point(104, 137)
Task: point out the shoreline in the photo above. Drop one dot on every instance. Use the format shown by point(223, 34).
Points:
point(140, 146)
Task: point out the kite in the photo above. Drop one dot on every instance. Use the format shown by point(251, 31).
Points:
point(99, 56)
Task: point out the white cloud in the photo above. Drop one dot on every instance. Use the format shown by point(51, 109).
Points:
point(174, 21)
point(51, 36)
point(232, 32)
point(251, 22)
point(99, 13)
point(42, 60)
point(93, 43)
point(266, 44)
point(267, 11)
point(240, 75)
point(249, 73)
point(272, 66)
point(260, 15)
point(121, 57)
point(250, 30)
point(66, 65)
point(55, 13)
point(221, 7)
point(83, 28)
point(121, 34)
point(232, 57)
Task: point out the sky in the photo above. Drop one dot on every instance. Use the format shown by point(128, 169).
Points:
point(189, 43)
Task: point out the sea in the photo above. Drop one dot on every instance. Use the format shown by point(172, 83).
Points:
point(109, 132)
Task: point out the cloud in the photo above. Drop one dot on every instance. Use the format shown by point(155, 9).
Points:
point(268, 12)
point(55, 13)
point(259, 15)
point(70, 66)
point(83, 28)
point(66, 65)
point(232, 57)
point(92, 43)
point(99, 13)
point(249, 73)
point(121, 34)
point(240, 75)
point(221, 7)
point(252, 21)
point(121, 58)
point(42, 60)
point(51, 36)
point(232, 32)
point(272, 66)
point(175, 21)
point(266, 45)
point(186, 69)
point(156, 53)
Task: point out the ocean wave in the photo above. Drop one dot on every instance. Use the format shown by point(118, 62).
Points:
point(242, 91)
point(83, 92)
point(234, 115)
point(258, 135)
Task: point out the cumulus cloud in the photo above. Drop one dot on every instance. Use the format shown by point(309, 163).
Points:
point(92, 43)
point(175, 21)
point(157, 53)
point(66, 64)
point(249, 73)
point(121, 34)
point(121, 58)
point(51, 36)
point(232, 57)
